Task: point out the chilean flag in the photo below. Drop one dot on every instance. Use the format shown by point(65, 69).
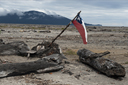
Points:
point(79, 24)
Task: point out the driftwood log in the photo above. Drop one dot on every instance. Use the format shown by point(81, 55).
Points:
point(106, 66)
point(13, 48)
point(22, 49)
point(43, 49)
point(48, 63)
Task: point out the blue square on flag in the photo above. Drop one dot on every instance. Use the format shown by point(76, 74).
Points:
point(79, 24)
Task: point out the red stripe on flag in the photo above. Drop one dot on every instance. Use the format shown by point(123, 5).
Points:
point(81, 30)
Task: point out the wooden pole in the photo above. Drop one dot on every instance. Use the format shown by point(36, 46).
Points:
point(63, 30)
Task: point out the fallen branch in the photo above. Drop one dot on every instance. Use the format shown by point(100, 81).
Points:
point(48, 63)
point(106, 66)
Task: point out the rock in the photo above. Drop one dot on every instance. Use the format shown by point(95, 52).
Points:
point(68, 72)
point(1, 42)
point(44, 31)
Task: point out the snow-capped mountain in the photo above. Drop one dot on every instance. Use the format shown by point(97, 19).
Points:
point(34, 17)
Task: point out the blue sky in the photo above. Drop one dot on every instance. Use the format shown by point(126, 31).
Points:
point(105, 12)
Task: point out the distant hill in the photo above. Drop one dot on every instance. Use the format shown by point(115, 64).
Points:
point(36, 17)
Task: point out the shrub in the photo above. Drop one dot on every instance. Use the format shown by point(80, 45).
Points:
point(70, 52)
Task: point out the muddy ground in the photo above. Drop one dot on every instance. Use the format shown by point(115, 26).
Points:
point(100, 39)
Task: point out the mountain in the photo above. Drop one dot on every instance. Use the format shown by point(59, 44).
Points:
point(35, 17)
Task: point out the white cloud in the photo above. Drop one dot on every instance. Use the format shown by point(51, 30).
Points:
point(105, 12)
point(4, 12)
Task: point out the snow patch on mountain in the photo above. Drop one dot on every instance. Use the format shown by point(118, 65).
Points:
point(33, 18)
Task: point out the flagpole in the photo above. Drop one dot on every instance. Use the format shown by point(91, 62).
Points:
point(63, 30)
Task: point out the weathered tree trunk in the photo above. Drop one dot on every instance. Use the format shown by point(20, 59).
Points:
point(106, 66)
point(13, 48)
point(49, 62)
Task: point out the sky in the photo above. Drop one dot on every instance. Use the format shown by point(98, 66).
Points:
point(104, 12)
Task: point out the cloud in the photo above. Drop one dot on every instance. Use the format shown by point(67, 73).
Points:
point(93, 11)
point(4, 12)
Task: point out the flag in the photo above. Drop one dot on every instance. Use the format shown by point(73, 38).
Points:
point(79, 24)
